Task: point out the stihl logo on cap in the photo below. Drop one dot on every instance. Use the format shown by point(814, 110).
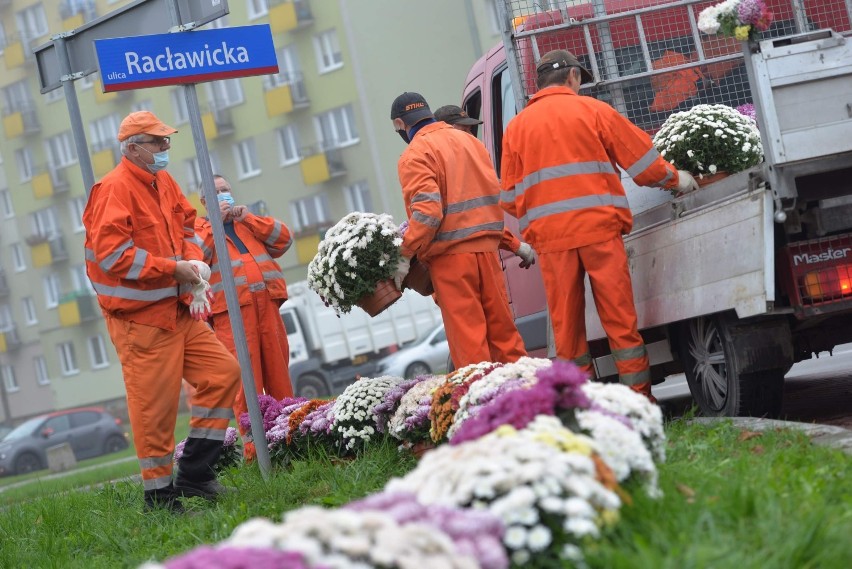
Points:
point(412, 106)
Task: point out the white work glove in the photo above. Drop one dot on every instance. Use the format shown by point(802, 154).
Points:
point(203, 269)
point(199, 308)
point(526, 253)
point(685, 182)
point(401, 271)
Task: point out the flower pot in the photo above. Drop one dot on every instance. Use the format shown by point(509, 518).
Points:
point(418, 278)
point(385, 294)
point(709, 179)
point(421, 448)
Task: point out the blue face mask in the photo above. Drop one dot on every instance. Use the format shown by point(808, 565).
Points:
point(161, 160)
point(225, 197)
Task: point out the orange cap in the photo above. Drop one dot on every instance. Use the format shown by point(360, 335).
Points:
point(143, 122)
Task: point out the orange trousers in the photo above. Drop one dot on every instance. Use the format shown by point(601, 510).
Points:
point(609, 274)
point(266, 340)
point(475, 307)
point(154, 361)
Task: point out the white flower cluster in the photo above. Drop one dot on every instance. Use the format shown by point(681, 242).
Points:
point(411, 402)
point(349, 249)
point(522, 481)
point(484, 388)
point(347, 539)
point(709, 19)
point(710, 138)
point(354, 420)
point(645, 417)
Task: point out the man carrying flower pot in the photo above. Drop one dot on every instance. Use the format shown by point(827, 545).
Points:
point(560, 180)
point(254, 242)
point(451, 196)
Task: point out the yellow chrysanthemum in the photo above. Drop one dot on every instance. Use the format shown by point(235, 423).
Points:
point(506, 431)
point(564, 440)
point(609, 518)
point(741, 32)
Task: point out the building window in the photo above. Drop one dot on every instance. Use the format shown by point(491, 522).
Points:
point(80, 280)
point(32, 22)
point(75, 209)
point(358, 197)
point(336, 128)
point(288, 145)
point(54, 95)
point(87, 82)
point(40, 365)
point(52, 290)
point(289, 68)
point(9, 381)
point(310, 212)
point(327, 48)
point(143, 105)
point(60, 150)
point(16, 97)
point(30, 314)
point(103, 132)
point(24, 160)
point(225, 94)
point(257, 9)
point(245, 155)
point(43, 222)
point(179, 107)
point(193, 170)
point(6, 206)
point(18, 257)
point(97, 352)
point(67, 358)
point(6, 322)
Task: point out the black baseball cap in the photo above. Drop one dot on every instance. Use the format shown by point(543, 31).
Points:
point(559, 58)
point(452, 114)
point(411, 108)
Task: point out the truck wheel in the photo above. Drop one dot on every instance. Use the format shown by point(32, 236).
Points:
point(311, 387)
point(417, 369)
point(27, 462)
point(711, 372)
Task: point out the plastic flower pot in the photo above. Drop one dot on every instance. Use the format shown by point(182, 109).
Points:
point(418, 278)
point(710, 178)
point(385, 295)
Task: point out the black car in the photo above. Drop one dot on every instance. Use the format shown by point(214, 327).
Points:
point(89, 431)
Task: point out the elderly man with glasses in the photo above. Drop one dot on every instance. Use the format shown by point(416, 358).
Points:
point(140, 256)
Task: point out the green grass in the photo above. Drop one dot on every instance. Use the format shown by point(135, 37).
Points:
point(771, 500)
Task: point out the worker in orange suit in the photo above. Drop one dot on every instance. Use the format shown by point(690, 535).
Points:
point(254, 242)
point(674, 89)
point(140, 256)
point(451, 196)
point(560, 180)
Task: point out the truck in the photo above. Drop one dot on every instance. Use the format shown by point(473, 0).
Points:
point(329, 351)
point(736, 282)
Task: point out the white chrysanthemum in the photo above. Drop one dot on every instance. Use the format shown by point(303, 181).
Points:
point(353, 409)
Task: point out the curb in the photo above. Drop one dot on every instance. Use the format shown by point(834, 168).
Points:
point(825, 435)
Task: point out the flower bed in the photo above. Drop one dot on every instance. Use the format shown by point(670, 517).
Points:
point(540, 461)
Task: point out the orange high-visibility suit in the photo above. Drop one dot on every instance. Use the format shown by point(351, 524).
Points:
point(451, 196)
point(261, 289)
point(138, 225)
point(560, 179)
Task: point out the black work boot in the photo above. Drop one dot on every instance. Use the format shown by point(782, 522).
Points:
point(195, 476)
point(163, 499)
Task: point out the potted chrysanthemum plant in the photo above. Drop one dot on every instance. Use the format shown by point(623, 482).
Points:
point(355, 263)
point(709, 140)
point(740, 19)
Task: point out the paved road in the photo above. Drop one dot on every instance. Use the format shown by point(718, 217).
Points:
point(818, 390)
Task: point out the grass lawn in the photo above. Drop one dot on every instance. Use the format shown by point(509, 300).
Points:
point(732, 499)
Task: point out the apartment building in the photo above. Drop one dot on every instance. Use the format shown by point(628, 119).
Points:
point(306, 145)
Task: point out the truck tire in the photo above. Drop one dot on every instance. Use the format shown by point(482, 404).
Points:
point(311, 386)
point(709, 360)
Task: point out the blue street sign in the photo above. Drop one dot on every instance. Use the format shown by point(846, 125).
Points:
point(185, 57)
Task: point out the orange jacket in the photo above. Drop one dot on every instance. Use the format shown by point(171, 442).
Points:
point(138, 225)
point(672, 89)
point(266, 239)
point(560, 175)
point(451, 194)
point(509, 242)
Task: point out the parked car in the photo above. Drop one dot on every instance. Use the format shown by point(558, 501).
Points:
point(90, 431)
point(4, 430)
point(427, 354)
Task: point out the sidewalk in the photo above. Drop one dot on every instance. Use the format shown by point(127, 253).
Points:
point(67, 473)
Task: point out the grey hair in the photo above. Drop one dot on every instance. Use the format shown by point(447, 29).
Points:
point(130, 140)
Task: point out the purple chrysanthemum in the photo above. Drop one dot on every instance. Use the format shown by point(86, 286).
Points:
point(318, 421)
point(385, 410)
point(239, 558)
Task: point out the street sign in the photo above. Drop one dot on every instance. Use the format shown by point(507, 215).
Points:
point(136, 18)
point(168, 59)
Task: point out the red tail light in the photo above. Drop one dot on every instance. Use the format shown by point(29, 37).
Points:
point(117, 421)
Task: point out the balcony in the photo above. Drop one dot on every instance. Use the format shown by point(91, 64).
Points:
point(321, 165)
point(77, 307)
point(49, 182)
point(18, 51)
point(105, 156)
point(19, 120)
point(9, 339)
point(75, 14)
point(4, 284)
point(217, 121)
point(285, 95)
point(46, 250)
point(289, 15)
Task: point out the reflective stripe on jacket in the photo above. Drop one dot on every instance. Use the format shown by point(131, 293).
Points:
point(138, 226)
point(560, 170)
point(451, 194)
point(266, 239)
